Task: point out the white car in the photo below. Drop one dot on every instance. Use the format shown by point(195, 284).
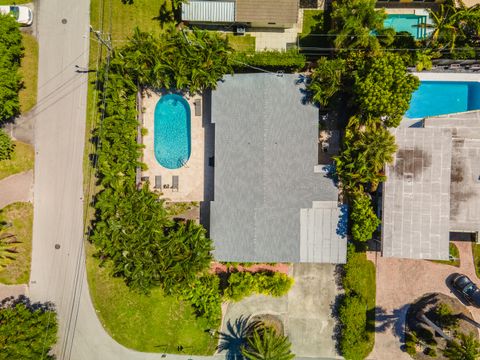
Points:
point(22, 14)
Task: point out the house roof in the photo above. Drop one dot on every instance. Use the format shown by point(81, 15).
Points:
point(416, 195)
point(275, 11)
point(209, 11)
point(266, 149)
point(465, 168)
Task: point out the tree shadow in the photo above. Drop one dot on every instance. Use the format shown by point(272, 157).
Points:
point(12, 301)
point(234, 338)
point(395, 320)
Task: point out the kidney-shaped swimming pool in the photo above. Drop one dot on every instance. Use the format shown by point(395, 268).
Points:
point(172, 131)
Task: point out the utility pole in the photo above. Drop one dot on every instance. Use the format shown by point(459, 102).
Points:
point(98, 34)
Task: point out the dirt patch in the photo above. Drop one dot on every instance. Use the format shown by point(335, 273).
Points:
point(411, 162)
point(222, 268)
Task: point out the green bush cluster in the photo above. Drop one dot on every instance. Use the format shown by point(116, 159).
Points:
point(363, 219)
point(132, 228)
point(411, 343)
point(356, 309)
point(243, 284)
point(445, 317)
point(289, 61)
point(6, 146)
point(11, 52)
point(205, 296)
point(27, 331)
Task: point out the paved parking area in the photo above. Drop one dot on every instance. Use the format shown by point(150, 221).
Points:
point(399, 283)
point(306, 312)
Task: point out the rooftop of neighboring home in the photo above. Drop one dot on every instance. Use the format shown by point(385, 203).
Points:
point(416, 195)
point(267, 12)
point(272, 201)
point(465, 179)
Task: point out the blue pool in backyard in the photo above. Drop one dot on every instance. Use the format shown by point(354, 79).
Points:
point(443, 97)
point(407, 22)
point(172, 131)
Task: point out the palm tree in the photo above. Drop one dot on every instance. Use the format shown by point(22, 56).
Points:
point(467, 349)
point(355, 24)
point(265, 344)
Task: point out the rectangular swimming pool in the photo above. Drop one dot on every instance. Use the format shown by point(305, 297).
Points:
point(407, 22)
point(444, 97)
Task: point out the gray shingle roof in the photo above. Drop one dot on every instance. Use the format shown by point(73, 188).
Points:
point(266, 148)
point(416, 203)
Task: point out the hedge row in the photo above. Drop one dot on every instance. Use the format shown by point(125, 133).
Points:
point(272, 60)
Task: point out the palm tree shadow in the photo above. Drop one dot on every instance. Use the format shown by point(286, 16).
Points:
point(232, 341)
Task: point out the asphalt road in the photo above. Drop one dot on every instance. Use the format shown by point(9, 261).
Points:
point(58, 266)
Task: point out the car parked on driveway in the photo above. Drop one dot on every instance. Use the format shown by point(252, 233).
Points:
point(466, 288)
point(22, 14)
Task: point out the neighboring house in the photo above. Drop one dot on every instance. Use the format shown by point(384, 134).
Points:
point(273, 202)
point(432, 192)
point(251, 13)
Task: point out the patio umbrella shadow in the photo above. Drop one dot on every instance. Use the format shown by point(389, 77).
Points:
point(232, 341)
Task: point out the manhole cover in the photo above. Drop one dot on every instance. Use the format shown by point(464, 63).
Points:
point(64, 21)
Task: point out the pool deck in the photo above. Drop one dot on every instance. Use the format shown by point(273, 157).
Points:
point(191, 176)
point(447, 76)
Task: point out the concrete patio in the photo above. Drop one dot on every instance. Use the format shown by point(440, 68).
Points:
point(191, 175)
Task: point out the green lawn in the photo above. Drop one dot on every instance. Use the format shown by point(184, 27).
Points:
point(22, 160)
point(476, 257)
point(244, 43)
point(18, 2)
point(312, 24)
point(29, 72)
point(21, 216)
point(154, 323)
point(454, 253)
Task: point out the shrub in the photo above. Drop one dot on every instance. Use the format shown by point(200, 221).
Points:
point(6, 146)
point(411, 343)
point(11, 51)
point(354, 342)
point(426, 336)
point(27, 331)
point(430, 352)
point(445, 317)
point(289, 61)
point(243, 284)
point(363, 219)
point(204, 295)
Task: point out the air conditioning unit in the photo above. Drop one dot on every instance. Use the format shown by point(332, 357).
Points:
point(240, 30)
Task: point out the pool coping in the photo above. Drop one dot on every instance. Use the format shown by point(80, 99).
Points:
point(447, 76)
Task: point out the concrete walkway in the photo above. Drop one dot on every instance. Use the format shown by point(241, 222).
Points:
point(12, 290)
point(16, 188)
point(402, 281)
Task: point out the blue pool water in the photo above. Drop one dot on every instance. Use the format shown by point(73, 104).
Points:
point(408, 23)
point(172, 131)
point(443, 97)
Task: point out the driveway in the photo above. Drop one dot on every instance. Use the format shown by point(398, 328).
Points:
point(16, 188)
point(306, 312)
point(399, 283)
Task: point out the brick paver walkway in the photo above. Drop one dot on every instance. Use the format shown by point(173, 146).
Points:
point(399, 283)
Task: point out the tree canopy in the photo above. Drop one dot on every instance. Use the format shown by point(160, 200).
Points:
point(383, 88)
point(27, 331)
point(6, 146)
point(468, 348)
point(264, 343)
point(11, 51)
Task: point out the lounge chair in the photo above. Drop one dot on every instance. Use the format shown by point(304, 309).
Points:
point(475, 67)
point(174, 183)
point(198, 107)
point(158, 182)
point(455, 66)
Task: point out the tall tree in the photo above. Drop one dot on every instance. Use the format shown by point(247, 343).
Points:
point(27, 331)
point(355, 24)
point(383, 88)
point(265, 344)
